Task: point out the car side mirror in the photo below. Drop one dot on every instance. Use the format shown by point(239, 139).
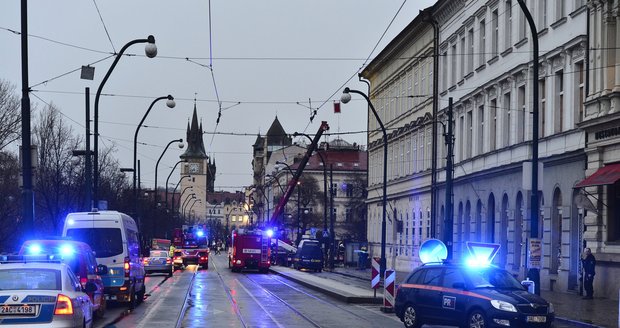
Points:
point(102, 269)
point(458, 285)
point(90, 287)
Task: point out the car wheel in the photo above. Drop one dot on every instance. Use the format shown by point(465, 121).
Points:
point(101, 311)
point(170, 273)
point(207, 265)
point(140, 294)
point(132, 299)
point(411, 319)
point(476, 319)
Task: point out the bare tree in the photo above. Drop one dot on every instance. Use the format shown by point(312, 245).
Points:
point(10, 115)
point(355, 224)
point(56, 190)
point(10, 209)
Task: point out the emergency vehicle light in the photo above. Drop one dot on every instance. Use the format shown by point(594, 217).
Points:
point(200, 233)
point(481, 254)
point(66, 250)
point(269, 233)
point(35, 249)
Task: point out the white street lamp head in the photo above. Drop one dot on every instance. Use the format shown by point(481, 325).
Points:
point(170, 102)
point(181, 145)
point(150, 49)
point(346, 96)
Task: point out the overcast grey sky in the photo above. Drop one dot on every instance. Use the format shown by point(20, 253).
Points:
point(267, 57)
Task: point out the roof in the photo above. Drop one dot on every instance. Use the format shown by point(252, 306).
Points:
point(195, 144)
point(348, 160)
point(276, 134)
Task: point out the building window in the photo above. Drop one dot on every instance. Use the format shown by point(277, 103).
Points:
point(559, 9)
point(410, 90)
point(463, 52)
point(453, 69)
point(508, 23)
point(495, 31)
point(470, 52)
point(559, 106)
point(469, 132)
point(444, 64)
point(421, 145)
point(460, 140)
point(401, 163)
point(334, 189)
point(522, 25)
point(480, 129)
point(348, 215)
point(416, 84)
point(521, 114)
point(414, 148)
point(542, 14)
point(506, 120)
point(580, 91)
point(492, 124)
point(483, 45)
point(407, 155)
point(543, 107)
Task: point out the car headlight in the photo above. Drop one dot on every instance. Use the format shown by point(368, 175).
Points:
point(503, 306)
point(550, 308)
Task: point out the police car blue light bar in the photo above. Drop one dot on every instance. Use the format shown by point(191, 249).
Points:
point(270, 233)
point(481, 254)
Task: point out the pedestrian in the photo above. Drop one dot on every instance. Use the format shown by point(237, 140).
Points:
point(589, 262)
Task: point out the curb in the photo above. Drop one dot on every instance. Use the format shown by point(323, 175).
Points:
point(577, 323)
point(339, 296)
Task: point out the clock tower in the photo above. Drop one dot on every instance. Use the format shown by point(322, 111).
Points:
point(197, 175)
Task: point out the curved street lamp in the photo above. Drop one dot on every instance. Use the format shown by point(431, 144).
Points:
point(177, 186)
point(150, 50)
point(168, 179)
point(345, 98)
point(182, 208)
point(170, 103)
point(181, 145)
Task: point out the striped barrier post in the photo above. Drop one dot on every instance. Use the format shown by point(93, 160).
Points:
point(388, 292)
point(375, 278)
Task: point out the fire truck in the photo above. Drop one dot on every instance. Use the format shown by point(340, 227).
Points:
point(250, 250)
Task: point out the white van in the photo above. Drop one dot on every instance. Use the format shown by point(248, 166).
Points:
point(113, 236)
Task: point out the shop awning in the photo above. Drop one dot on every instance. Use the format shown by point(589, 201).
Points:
point(606, 175)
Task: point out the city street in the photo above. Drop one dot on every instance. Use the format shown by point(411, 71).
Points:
point(220, 298)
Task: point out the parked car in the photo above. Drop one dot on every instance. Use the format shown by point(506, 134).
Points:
point(80, 258)
point(158, 262)
point(177, 259)
point(458, 294)
point(309, 255)
point(114, 238)
point(37, 292)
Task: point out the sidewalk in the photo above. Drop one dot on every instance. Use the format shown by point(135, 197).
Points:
point(569, 307)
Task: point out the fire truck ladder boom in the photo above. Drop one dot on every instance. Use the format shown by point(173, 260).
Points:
point(302, 164)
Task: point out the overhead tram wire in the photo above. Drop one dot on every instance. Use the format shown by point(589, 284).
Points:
point(104, 27)
point(69, 72)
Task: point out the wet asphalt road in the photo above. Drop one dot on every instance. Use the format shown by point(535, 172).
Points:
point(220, 298)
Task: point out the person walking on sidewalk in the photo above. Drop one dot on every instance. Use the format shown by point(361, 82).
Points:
point(589, 262)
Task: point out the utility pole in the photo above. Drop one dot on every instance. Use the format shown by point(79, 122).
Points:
point(448, 220)
point(331, 217)
point(88, 159)
point(534, 272)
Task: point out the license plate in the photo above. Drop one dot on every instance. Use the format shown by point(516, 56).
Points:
point(110, 297)
point(25, 309)
point(251, 251)
point(536, 318)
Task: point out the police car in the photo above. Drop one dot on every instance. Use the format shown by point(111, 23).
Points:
point(470, 294)
point(39, 292)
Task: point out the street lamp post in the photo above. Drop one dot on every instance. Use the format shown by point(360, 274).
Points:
point(168, 179)
point(324, 191)
point(534, 273)
point(170, 103)
point(175, 189)
point(150, 50)
point(182, 208)
point(188, 207)
point(181, 145)
point(345, 98)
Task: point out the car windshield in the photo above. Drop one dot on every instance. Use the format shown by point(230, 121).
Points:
point(493, 278)
point(203, 254)
point(30, 279)
point(105, 242)
point(158, 254)
point(312, 251)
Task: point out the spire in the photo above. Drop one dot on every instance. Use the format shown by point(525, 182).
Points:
point(195, 144)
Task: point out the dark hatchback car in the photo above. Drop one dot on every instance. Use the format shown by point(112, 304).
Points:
point(454, 294)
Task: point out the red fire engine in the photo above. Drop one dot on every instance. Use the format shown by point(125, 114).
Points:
point(250, 250)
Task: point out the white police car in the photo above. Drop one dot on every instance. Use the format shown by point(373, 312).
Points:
point(36, 291)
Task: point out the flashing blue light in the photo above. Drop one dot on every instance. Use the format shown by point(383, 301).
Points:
point(200, 233)
point(433, 250)
point(481, 254)
point(70, 222)
point(270, 233)
point(66, 250)
point(35, 249)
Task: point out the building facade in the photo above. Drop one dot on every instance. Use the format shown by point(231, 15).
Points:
point(485, 60)
point(401, 80)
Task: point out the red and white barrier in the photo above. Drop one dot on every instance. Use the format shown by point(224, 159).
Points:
point(376, 277)
point(389, 291)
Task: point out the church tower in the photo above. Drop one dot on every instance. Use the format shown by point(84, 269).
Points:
point(197, 175)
